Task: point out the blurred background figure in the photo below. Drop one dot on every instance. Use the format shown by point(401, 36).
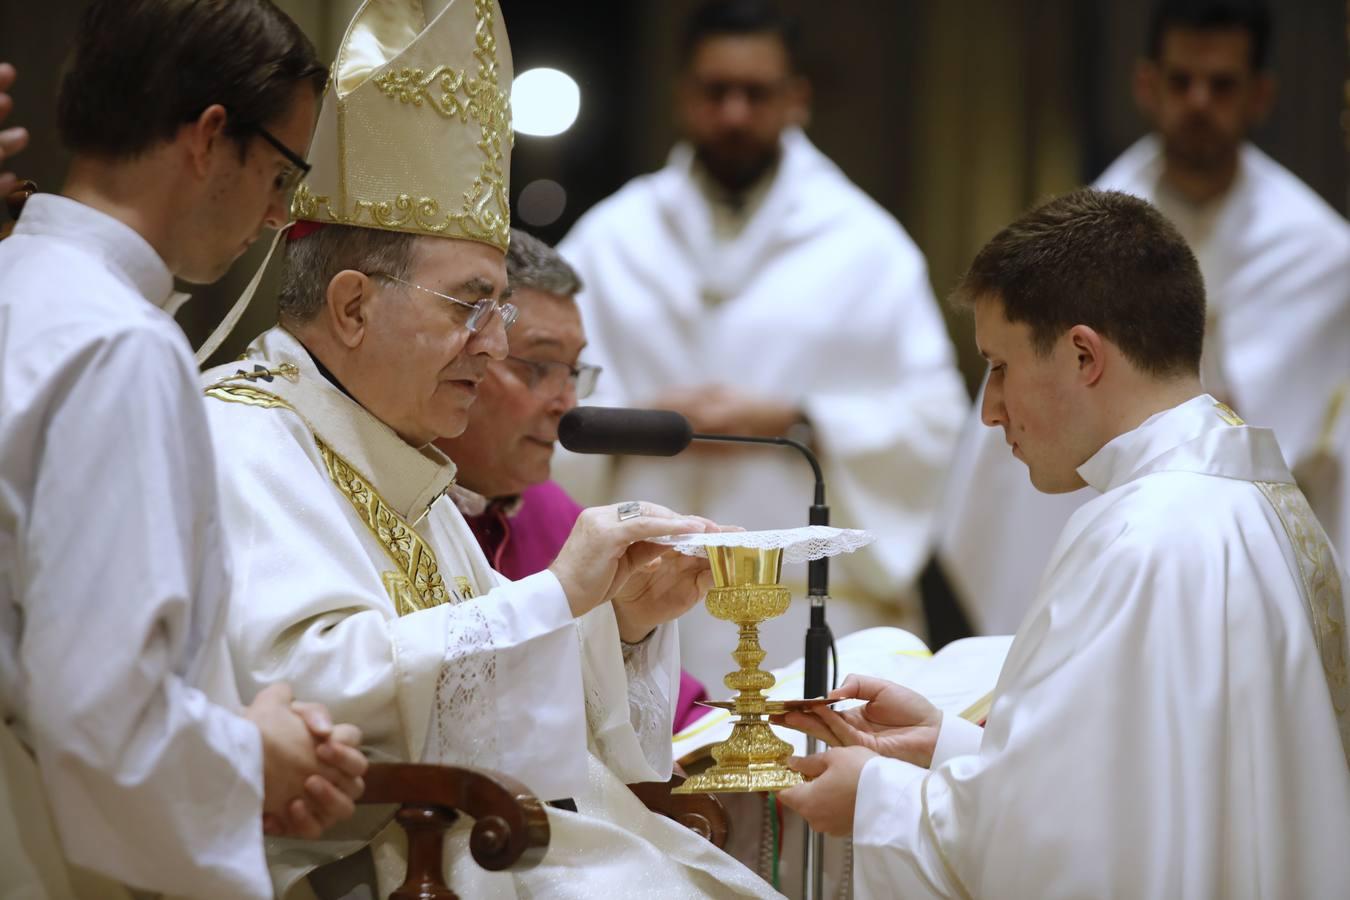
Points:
point(521, 518)
point(752, 287)
point(1276, 263)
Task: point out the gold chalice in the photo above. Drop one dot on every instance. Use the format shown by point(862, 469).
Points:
point(747, 591)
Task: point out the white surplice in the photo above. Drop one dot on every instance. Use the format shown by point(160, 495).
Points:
point(1173, 718)
point(360, 583)
point(115, 582)
point(813, 294)
point(1276, 263)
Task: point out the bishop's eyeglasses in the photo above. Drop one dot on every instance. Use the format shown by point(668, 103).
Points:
point(481, 311)
point(548, 378)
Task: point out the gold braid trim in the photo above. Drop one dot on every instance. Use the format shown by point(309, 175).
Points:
point(419, 579)
point(1321, 593)
point(417, 583)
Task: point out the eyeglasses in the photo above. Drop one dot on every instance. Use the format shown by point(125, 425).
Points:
point(287, 181)
point(482, 310)
point(549, 378)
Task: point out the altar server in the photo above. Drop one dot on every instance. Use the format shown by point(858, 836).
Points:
point(1173, 717)
point(127, 761)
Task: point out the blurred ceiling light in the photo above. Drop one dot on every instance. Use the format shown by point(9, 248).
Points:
point(544, 102)
point(541, 202)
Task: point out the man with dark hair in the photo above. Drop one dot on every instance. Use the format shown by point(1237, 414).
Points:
point(1173, 717)
point(751, 286)
point(1276, 263)
point(126, 757)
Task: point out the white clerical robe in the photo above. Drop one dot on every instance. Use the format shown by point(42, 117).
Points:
point(1173, 718)
point(1276, 264)
point(114, 758)
point(818, 298)
point(360, 583)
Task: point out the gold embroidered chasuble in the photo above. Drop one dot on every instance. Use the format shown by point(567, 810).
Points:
point(360, 583)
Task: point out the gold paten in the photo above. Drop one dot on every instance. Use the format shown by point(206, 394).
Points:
point(747, 591)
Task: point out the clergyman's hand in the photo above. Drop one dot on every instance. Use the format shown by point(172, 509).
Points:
point(12, 140)
point(330, 794)
point(603, 550)
point(895, 722)
point(287, 750)
point(661, 591)
point(826, 801)
point(720, 409)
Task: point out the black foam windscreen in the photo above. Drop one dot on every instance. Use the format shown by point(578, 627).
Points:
point(624, 432)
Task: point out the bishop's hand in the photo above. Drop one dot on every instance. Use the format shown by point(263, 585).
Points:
point(661, 591)
point(608, 544)
point(895, 721)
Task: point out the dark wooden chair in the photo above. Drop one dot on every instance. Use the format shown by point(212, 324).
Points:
point(703, 814)
point(510, 828)
point(510, 825)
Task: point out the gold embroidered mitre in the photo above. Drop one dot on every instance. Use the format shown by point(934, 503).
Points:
point(415, 130)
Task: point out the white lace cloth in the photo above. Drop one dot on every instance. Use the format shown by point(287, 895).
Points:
point(798, 544)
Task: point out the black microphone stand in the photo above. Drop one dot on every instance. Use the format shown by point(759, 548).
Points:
point(818, 641)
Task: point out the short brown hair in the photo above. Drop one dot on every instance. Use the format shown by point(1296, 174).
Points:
point(315, 259)
point(140, 69)
point(1104, 259)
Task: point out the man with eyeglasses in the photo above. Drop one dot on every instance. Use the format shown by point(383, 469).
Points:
point(520, 518)
point(358, 579)
point(127, 759)
point(751, 286)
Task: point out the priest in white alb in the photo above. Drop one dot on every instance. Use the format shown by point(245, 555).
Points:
point(1276, 262)
point(751, 286)
point(358, 579)
point(1173, 717)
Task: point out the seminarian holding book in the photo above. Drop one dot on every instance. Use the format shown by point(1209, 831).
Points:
point(1173, 717)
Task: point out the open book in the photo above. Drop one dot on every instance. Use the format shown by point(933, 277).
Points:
point(959, 679)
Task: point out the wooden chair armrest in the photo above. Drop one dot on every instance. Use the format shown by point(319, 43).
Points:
point(703, 814)
point(510, 828)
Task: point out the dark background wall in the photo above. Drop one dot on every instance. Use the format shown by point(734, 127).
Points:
point(954, 114)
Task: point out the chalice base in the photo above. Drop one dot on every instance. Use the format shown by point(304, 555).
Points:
point(740, 780)
point(753, 759)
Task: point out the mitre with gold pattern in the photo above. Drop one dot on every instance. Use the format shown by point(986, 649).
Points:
point(415, 130)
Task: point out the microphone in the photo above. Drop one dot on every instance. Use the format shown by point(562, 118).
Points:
point(624, 432)
point(661, 432)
